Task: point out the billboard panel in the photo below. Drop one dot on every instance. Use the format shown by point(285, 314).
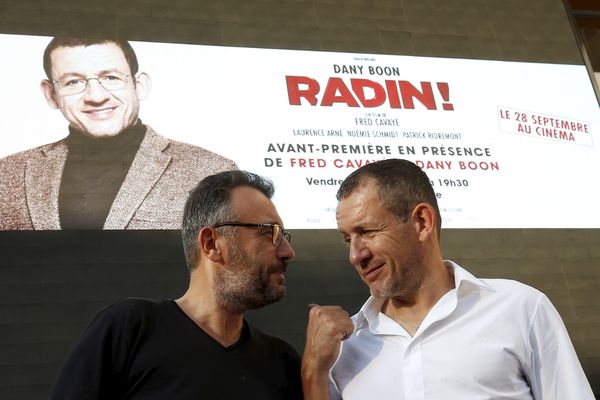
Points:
point(505, 144)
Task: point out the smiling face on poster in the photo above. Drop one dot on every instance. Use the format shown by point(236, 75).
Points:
point(505, 144)
point(94, 88)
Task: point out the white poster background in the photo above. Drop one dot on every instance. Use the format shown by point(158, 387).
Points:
point(234, 101)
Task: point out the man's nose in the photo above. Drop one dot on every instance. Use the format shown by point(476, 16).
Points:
point(95, 92)
point(358, 251)
point(285, 251)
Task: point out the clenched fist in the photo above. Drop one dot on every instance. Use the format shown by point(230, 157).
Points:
point(327, 327)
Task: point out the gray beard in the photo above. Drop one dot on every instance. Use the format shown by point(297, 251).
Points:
point(237, 296)
point(403, 287)
point(240, 288)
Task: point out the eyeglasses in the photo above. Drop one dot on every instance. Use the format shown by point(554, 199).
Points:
point(72, 85)
point(278, 232)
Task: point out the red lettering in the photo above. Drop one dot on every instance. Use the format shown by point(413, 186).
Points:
point(424, 96)
point(367, 93)
point(393, 96)
point(354, 163)
point(330, 96)
point(295, 93)
point(308, 162)
point(359, 85)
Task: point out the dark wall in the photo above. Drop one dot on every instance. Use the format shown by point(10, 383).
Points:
point(534, 30)
point(51, 283)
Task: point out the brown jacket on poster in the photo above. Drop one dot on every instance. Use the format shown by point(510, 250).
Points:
point(152, 195)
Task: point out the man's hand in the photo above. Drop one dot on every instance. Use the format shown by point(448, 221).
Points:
point(327, 327)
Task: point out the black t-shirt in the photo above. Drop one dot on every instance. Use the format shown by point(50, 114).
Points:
point(150, 349)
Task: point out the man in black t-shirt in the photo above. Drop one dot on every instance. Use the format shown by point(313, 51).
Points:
point(199, 346)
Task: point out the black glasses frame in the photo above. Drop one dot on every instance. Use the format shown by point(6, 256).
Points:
point(279, 233)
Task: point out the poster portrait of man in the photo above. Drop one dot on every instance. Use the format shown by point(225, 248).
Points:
point(112, 171)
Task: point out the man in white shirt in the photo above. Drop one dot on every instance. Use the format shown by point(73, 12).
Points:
point(430, 329)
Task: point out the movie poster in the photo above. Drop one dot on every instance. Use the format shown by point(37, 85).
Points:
point(505, 144)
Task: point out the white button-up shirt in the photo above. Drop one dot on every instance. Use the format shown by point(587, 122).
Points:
point(485, 339)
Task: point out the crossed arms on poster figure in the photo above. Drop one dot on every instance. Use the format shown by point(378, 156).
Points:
point(112, 171)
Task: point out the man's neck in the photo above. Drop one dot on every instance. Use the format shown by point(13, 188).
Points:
point(411, 313)
point(223, 326)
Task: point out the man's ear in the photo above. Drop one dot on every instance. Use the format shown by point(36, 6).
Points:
point(49, 93)
point(424, 219)
point(143, 85)
point(208, 244)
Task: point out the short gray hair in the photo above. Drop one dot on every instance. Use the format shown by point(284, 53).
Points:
point(402, 185)
point(209, 204)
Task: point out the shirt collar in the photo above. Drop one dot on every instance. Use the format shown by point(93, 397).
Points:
point(463, 278)
point(368, 312)
point(464, 282)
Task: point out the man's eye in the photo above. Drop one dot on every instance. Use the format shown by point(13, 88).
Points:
point(73, 82)
point(109, 78)
point(265, 231)
point(369, 234)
